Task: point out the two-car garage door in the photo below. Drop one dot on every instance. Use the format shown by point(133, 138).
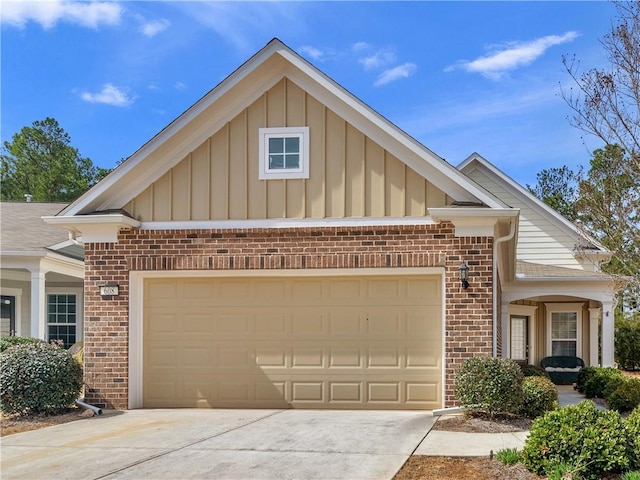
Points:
point(307, 342)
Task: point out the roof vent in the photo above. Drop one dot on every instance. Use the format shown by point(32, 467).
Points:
point(28, 197)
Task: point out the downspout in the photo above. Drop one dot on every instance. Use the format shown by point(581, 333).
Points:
point(498, 241)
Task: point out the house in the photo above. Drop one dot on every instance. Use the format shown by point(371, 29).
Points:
point(41, 275)
point(280, 244)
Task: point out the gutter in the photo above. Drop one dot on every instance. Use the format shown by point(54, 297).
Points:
point(496, 244)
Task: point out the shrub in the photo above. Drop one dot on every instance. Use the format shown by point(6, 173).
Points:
point(539, 396)
point(38, 378)
point(632, 425)
point(631, 476)
point(627, 339)
point(593, 441)
point(596, 384)
point(584, 375)
point(6, 342)
point(612, 385)
point(533, 371)
point(490, 384)
point(626, 397)
point(508, 456)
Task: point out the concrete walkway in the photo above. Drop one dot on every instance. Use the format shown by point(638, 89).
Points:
point(460, 444)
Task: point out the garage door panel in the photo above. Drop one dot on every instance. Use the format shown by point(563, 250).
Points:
point(350, 392)
point(280, 342)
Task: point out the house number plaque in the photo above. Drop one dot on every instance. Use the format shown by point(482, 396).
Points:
point(109, 290)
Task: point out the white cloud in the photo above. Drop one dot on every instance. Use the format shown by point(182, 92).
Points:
point(494, 66)
point(109, 95)
point(378, 59)
point(179, 86)
point(311, 52)
point(151, 29)
point(401, 71)
point(49, 13)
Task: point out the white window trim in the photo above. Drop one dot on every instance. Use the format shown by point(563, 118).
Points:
point(565, 307)
point(265, 173)
point(79, 293)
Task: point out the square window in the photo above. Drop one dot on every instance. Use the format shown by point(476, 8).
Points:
point(284, 153)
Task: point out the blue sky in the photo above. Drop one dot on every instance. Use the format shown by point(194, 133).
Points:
point(460, 77)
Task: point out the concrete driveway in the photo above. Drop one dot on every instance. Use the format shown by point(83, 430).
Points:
point(220, 444)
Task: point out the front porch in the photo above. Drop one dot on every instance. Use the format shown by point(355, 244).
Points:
point(565, 315)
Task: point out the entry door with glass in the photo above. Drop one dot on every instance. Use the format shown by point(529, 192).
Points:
point(8, 316)
point(519, 338)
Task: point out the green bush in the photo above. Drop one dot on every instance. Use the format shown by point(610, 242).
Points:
point(38, 378)
point(6, 342)
point(632, 424)
point(626, 397)
point(583, 375)
point(612, 385)
point(630, 476)
point(627, 339)
point(596, 384)
point(592, 441)
point(539, 396)
point(490, 384)
point(533, 371)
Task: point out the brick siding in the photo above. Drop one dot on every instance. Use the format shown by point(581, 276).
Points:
point(468, 312)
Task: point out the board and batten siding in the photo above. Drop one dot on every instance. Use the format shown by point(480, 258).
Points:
point(539, 240)
point(351, 176)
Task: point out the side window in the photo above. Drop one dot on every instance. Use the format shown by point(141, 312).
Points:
point(284, 153)
point(62, 317)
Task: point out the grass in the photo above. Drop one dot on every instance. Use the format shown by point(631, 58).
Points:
point(508, 456)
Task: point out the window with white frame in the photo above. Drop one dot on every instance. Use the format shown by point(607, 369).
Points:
point(565, 329)
point(62, 318)
point(284, 153)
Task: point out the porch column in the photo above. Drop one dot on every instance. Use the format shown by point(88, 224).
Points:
point(607, 334)
point(594, 315)
point(38, 304)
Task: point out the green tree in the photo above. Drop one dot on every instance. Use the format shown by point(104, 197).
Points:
point(609, 207)
point(558, 188)
point(40, 161)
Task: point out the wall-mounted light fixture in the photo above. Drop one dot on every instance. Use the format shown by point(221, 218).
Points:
point(109, 290)
point(464, 275)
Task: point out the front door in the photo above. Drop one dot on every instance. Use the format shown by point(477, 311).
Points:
point(519, 338)
point(8, 316)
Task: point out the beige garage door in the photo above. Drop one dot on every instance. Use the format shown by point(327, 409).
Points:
point(321, 342)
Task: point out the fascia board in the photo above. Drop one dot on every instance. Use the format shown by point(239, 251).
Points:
point(47, 261)
point(473, 221)
point(476, 161)
point(94, 228)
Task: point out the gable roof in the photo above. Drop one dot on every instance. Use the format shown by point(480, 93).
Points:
point(23, 230)
point(584, 243)
point(275, 61)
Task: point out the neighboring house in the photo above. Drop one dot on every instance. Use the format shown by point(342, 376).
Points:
point(41, 276)
point(281, 244)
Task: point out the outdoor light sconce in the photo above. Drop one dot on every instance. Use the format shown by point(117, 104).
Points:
point(464, 275)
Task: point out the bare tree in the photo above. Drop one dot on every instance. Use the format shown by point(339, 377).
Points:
point(607, 102)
